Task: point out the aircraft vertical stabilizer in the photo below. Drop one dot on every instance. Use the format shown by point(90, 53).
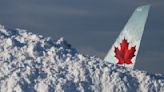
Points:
point(124, 50)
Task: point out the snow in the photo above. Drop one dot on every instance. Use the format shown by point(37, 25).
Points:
point(33, 63)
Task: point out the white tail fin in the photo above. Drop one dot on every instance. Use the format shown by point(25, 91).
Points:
point(124, 50)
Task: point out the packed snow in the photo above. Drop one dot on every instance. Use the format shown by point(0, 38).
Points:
point(33, 63)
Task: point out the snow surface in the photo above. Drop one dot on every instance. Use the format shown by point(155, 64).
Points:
point(32, 63)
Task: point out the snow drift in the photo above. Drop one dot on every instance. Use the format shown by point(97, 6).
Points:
point(32, 63)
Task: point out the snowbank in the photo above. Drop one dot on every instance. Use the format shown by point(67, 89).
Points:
point(32, 63)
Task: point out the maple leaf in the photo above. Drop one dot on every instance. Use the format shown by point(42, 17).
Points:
point(124, 55)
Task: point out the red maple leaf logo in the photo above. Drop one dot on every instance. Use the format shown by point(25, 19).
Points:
point(124, 55)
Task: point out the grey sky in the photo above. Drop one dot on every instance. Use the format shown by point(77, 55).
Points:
point(91, 26)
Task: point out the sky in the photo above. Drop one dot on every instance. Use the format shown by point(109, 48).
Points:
point(90, 26)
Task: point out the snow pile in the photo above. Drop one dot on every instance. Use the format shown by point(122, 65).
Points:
point(32, 63)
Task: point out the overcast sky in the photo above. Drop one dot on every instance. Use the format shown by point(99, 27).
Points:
point(91, 26)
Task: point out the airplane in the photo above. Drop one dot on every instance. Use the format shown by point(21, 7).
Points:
point(125, 49)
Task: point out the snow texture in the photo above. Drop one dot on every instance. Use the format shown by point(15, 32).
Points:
point(33, 63)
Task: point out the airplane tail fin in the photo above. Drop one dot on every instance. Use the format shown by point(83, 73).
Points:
point(124, 50)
